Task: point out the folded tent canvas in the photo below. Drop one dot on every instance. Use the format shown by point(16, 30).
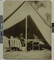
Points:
point(26, 17)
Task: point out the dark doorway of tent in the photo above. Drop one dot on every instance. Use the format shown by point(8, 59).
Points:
point(29, 35)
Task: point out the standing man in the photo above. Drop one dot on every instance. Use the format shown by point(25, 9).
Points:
point(12, 42)
point(18, 45)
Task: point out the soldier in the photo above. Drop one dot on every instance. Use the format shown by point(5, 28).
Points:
point(12, 42)
point(18, 45)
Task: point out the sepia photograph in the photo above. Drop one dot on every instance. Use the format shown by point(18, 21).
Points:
point(27, 27)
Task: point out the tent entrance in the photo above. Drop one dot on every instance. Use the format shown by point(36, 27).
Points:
point(30, 31)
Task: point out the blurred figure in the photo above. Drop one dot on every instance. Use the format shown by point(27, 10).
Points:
point(35, 38)
point(22, 41)
point(6, 44)
point(36, 45)
point(12, 42)
point(18, 45)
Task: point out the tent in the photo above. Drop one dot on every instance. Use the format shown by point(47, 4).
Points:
point(16, 22)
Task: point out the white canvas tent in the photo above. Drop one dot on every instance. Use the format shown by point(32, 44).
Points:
point(25, 10)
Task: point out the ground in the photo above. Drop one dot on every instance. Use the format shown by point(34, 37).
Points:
point(42, 54)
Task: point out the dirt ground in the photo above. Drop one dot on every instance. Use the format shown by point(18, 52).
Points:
point(38, 54)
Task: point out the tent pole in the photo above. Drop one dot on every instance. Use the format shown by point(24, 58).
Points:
point(26, 34)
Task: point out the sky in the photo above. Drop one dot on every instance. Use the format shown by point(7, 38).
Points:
point(1, 8)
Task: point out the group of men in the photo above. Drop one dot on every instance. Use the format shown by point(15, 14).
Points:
point(16, 43)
